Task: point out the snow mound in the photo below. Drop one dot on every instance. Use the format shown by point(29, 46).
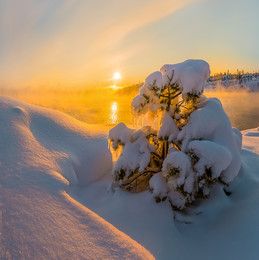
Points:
point(210, 122)
point(136, 149)
point(190, 74)
point(158, 185)
point(154, 80)
point(54, 139)
point(168, 127)
point(42, 153)
point(212, 155)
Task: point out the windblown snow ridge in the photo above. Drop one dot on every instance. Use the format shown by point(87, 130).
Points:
point(41, 153)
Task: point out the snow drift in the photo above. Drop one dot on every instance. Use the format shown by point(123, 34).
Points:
point(42, 153)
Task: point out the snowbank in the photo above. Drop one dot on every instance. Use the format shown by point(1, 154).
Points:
point(43, 154)
point(53, 139)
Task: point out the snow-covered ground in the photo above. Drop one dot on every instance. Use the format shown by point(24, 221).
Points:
point(42, 154)
point(56, 200)
point(248, 82)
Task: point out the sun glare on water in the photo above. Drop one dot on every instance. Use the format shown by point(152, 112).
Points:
point(113, 113)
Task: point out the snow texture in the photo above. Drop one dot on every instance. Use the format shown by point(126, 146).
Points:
point(177, 160)
point(168, 127)
point(224, 225)
point(177, 199)
point(138, 102)
point(149, 94)
point(120, 135)
point(154, 80)
point(211, 156)
point(158, 185)
point(136, 149)
point(238, 137)
point(246, 82)
point(210, 122)
point(177, 169)
point(43, 154)
point(191, 75)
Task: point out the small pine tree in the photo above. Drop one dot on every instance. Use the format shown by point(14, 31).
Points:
point(164, 155)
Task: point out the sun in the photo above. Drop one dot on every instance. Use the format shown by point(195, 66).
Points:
point(116, 76)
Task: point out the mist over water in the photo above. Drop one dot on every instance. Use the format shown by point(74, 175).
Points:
point(242, 107)
point(108, 107)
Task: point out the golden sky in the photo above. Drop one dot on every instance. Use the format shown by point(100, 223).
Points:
point(82, 43)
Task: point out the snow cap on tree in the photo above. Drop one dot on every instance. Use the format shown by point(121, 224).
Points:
point(190, 74)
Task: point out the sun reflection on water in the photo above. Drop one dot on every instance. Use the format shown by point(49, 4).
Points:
point(113, 113)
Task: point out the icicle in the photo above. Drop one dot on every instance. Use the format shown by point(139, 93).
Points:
point(158, 121)
point(116, 153)
point(136, 122)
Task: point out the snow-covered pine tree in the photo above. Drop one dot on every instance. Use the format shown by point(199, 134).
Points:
point(185, 144)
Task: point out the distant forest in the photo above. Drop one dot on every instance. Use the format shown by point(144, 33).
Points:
point(240, 76)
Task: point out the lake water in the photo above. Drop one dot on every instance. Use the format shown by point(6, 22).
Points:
point(241, 107)
point(107, 107)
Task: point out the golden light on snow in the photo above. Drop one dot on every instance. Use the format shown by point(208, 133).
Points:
point(116, 76)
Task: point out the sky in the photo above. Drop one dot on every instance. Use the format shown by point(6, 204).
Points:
point(82, 43)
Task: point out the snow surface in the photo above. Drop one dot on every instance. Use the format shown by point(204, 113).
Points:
point(46, 214)
point(210, 122)
point(136, 148)
point(120, 135)
point(168, 127)
point(154, 80)
point(190, 74)
point(222, 227)
point(247, 82)
point(212, 155)
point(158, 185)
point(43, 154)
